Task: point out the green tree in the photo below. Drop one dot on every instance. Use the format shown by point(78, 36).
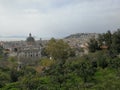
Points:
point(86, 71)
point(36, 83)
point(1, 51)
point(58, 49)
point(14, 75)
point(12, 86)
point(93, 45)
point(105, 39)
point(115, 63)
point(116, 42)
point(108, 39)
point(4, 79)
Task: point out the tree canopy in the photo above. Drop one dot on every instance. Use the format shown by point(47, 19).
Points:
point(58, 49)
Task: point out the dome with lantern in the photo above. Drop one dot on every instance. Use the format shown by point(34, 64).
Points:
point(30, 39)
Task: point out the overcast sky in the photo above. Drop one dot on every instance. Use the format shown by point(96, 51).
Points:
point(58, 18)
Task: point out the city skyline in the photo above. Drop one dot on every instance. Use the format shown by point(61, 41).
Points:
point(58, 18)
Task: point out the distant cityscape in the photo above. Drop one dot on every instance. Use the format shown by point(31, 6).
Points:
point(28, 47)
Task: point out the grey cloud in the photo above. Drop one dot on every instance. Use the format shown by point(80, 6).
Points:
point(58, 18)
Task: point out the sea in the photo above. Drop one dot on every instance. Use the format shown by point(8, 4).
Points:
point(12, 39)
point(18, 39)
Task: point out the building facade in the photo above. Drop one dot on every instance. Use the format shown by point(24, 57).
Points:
point(24, 50)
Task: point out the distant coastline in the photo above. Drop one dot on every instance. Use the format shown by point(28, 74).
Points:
point(11, 39)
point(17, 38)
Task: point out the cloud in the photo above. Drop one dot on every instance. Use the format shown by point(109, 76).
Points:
point(58, 18)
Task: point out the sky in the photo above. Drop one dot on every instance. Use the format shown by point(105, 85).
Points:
point(58, 18)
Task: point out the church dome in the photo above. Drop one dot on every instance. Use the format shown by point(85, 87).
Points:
point(30, 39)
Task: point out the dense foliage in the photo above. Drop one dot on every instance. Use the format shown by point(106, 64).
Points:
point(108, 40)
point(95, 71)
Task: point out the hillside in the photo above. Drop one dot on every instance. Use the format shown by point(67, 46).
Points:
point(82, 35)
point(76, 40)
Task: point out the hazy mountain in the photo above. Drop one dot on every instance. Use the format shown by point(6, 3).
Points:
point(82, 35)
